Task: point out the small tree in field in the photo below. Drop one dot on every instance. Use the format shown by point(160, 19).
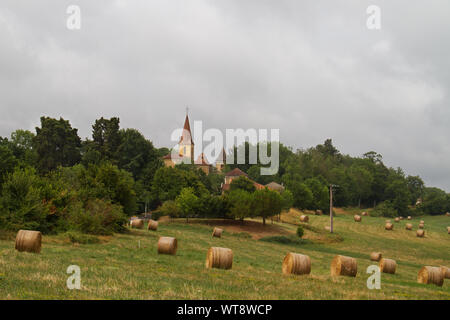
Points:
point(241, 203)
point(188, 203)
point(267, 203)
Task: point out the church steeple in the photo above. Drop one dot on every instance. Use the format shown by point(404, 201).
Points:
point(186, 143)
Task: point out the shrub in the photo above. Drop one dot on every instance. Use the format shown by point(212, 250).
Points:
point(97, 217)
point(168, 208)
point(287, 240)
point(300, 231)
point(81, 238)
point(385, 209)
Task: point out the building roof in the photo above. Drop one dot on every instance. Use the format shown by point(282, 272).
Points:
point(202, 160)
point(186, 136)
point(236, 172)
point(275, 186)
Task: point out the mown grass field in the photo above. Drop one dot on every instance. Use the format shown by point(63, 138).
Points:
point(117, 268)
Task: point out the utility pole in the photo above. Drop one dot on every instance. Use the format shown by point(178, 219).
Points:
point(331, 208)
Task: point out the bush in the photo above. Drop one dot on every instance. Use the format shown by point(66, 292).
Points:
point(287, 240)
point(300, 231)
point(97, 217)
point(81, 238)
point(168, 208)
point(385, 209)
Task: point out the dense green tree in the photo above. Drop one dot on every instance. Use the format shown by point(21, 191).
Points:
point(56, 144)
point(137, 155)
point(241, 204)
point(242, 183)
point(106, 137)
point(267, 203)
point(416, 188)
point(7, 163)
point(188, 203)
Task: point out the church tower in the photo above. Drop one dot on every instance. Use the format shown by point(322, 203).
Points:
point(186, 143)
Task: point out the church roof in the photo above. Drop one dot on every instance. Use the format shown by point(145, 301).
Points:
point(186, 136)
point(236, 172)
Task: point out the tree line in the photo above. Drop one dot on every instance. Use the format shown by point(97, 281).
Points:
point(52, 180)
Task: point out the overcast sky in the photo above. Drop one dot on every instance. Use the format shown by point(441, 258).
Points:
point(310, 68)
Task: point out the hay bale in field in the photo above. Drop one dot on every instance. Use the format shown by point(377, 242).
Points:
point(304, 218)
point(422, 222)
point(29, 241)
point(137, 223)
point(167, 245)
point(344, 266)
point(295, 263)
point(318, 212)
point(217, 232)
point(408, 226)
point(357, 218)
point(420, 233)
point(448, 230)
point(152, 225)
point(389, 226)
point(397, 219)
point(432, 275)
point(421, 226)
point(409, 218)
point(448, 214)
point(376, 256)
point(221, 258)
point(327, 228)
point(388, 266)
point(445, 272)
point(401, 218)
point(364, 214)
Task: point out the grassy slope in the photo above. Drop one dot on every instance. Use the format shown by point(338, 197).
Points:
point(118, 269)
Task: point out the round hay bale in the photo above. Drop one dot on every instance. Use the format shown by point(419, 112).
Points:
point(401, 218)
point(167, 245)
point(357, 218)
point(421, 226)
point(152, 225)
point(376, 256)
point(327, 228)
point(364, 214)
point(304, 218)
point(319, 212)
point(420, 233)
point(422, 222)
point(137, 223)
point(344, 266)
point(448, 214)
point(388, 221)
point(295, 263)
point(397, 219)
point(409, 218)
point(29, 241)
point(448, 230)
point(388, 266)
point(221, 258)
point(217, 232)
point(445, 272)
point(432, 275)
point(408, 226)
point(389, 226)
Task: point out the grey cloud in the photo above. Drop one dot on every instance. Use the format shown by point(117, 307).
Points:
point(310, 68)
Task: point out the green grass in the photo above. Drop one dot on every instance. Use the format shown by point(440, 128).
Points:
point(116, 268)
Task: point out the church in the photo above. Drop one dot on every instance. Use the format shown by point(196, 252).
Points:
point(186, 153)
